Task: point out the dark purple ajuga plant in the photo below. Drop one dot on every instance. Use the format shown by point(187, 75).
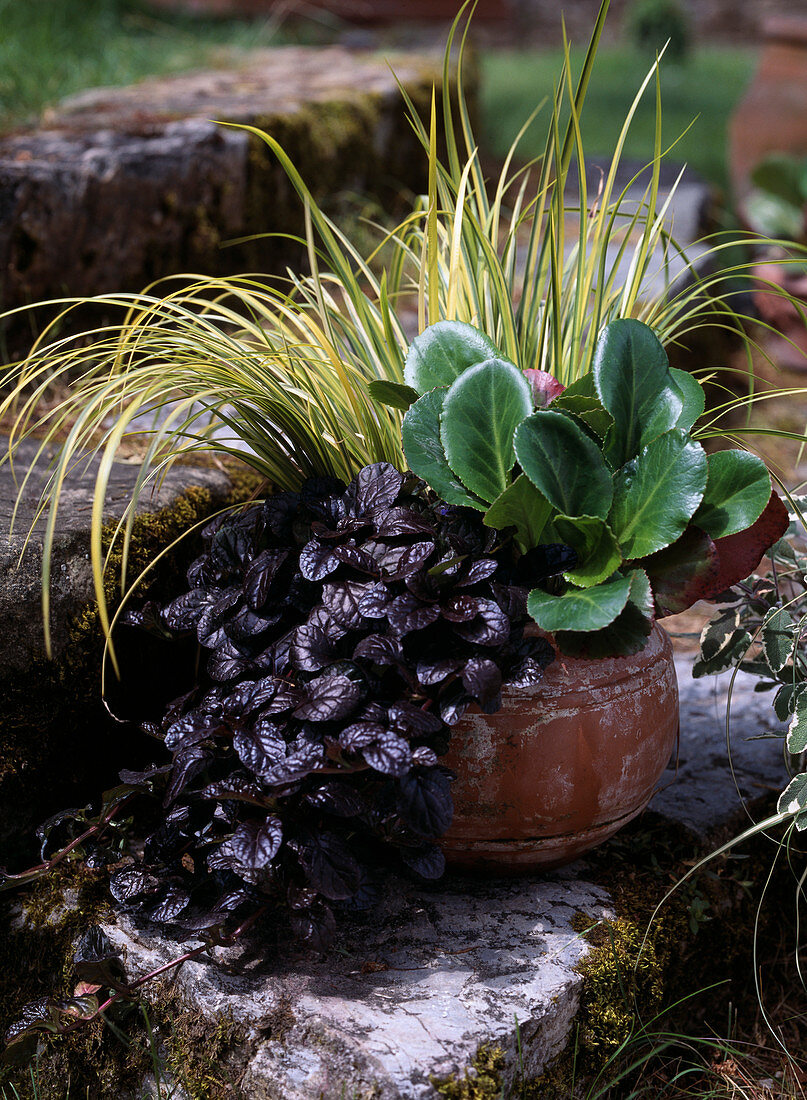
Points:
point(346, 630)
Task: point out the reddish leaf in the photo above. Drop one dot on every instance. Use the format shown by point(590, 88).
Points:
point(740, 554)
point(545, 387)
point(682, 573)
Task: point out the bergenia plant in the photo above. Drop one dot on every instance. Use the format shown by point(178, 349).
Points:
point(608, 466)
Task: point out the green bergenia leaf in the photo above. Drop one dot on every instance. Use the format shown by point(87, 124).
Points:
point(580, 609)
point(392, 393)
point(635, 385)
point(656, 494)
point(481, 411)
point(693, 397)
point(442, 352)
point(420, 435)
point(593, 541)
point(568, 468)
point(737, 489)
point(520, 506)
point(580, 399)
point(641, 594)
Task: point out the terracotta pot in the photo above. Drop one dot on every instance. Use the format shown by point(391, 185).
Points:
point(564, 764)
point(772, 116)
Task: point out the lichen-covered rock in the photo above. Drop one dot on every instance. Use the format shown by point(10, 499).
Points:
point(122, 186)
point(413, 992)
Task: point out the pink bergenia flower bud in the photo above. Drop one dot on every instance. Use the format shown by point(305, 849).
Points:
point(545, 387)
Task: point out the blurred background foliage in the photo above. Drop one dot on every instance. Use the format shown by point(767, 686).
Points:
point(53, 48)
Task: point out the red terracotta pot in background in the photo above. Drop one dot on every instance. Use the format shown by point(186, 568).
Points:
point(564, 764)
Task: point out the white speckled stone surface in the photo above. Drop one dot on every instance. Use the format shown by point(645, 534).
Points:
point(413, 992)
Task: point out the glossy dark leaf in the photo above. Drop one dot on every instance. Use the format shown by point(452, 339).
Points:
point(424, 757)
point(490, 627)
point(23, 1037)
point(407, 613)
point(424, 801)
point(246, 624)
point(329, 866)
point(173, 902)
point(328, 698)
point(95, 959)
point(475, 571)
point(321, 617)
point(461, 609)
point(389, 754)
point(413, 721)
point(374, 601)
point(337, 798)
point(357, 559)
point(318, 560)
point(525, 673)
point(312, 649)
point(253, 846)
point(375, 488)
point(511, 598)
point(360, 734)
point(542, 562)
point(408, 559)
point(482, 679)
point(237, 789)
point(222, 668)
point(132, 882)
point(188, 763)
point(304, 759)
point(192, 728)
point(314, 927)
point(402, 521)
point(184, 612)
point(273, 696)
point(209, 629)
point(379, 648)
point(453, 704)
point(260, 575)
point(434, 672)
point(68, 817)
point(259, 747)
point(428, 862)
point(342, 601)
point(142, 778)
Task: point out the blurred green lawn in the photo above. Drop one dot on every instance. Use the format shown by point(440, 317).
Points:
point(52, 48)
point(708, 85)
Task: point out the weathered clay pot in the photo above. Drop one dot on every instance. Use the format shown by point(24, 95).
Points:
point(564, 764)
point(772, 115)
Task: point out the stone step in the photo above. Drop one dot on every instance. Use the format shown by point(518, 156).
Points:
point(442, 972)
point(122, 186)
